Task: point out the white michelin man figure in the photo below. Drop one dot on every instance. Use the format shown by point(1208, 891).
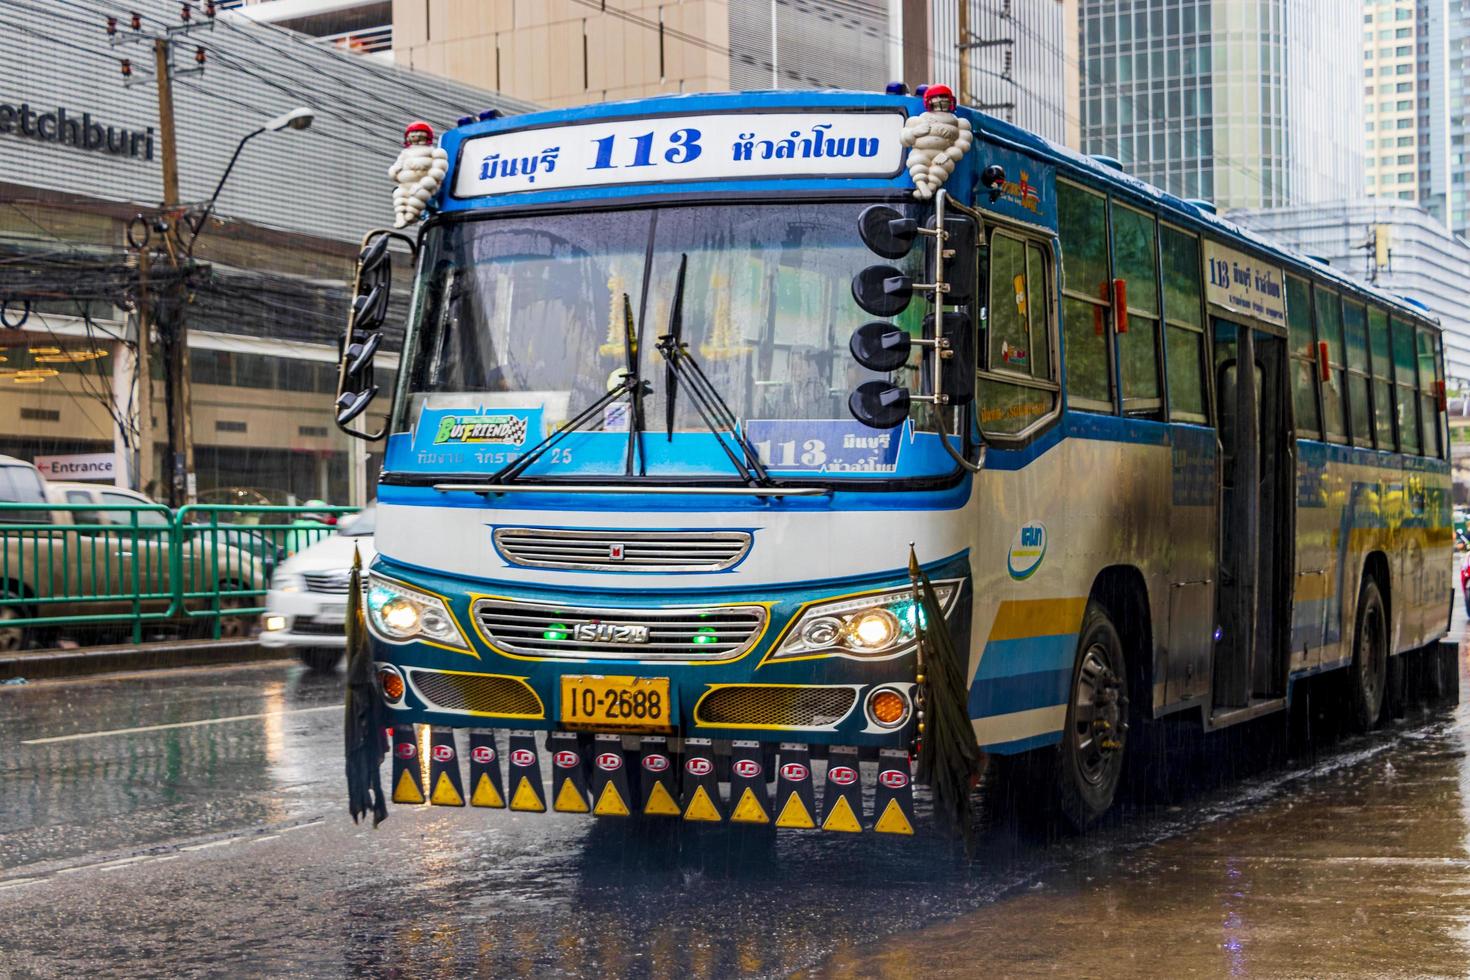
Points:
point(419, 170)
point(939, 139)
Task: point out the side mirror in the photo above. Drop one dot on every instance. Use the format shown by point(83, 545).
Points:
point(371, 288)
point(882, 290)
point(369, 310)
point(879, 405)
point(351, 404)
point(957, 371)
point(886, 231)
point(360, 355)
point(880, 346)
point(959, 260)
point(373, 256)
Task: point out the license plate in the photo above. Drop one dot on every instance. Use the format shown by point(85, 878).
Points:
point(335, 615)
point(603, 702)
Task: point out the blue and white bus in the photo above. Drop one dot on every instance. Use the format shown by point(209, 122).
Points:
point(685, 378)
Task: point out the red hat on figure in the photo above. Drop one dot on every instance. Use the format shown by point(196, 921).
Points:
point(418, 126)
point(937, 91)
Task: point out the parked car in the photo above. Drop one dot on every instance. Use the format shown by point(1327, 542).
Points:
point(94, 563)
point(1465, 581)
point(306, 608)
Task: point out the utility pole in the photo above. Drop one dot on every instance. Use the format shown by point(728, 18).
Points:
point(964, 25)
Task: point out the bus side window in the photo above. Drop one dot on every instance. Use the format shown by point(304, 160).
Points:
point(1430, 374)
point(1184, 335)
point(1135, 249)
point(1407, 403)
point(1303, 358)
point(1382, 377)
point(1018, 386)
point(1082, 223)
point(1355, 332)
point(1328, 311)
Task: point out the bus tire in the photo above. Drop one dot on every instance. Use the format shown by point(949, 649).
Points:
point(320, 660)
point(1368, 675)
point(1090, 760)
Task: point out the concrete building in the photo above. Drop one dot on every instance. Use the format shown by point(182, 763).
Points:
point(1406, 99)
point(1248, 103)
point(1424, 261)
point(81, 159)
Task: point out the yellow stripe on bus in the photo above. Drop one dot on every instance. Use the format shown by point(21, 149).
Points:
point(1018, 619)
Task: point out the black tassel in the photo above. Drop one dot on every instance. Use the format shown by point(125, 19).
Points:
point(366, 720)
point(948, 758)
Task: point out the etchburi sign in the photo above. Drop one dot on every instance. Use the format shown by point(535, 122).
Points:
point(1244, 284)
point(682, 148)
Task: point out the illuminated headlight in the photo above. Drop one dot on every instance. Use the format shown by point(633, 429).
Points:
point(285, 580)
point(399, 613)
point(882, 624)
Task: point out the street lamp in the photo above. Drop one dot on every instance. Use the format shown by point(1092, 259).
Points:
point(298, 118)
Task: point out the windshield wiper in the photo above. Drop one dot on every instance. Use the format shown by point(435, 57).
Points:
point(631, 385)
point(707, 401)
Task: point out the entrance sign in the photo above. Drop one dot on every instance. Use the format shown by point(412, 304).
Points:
point(1247, 285)
point(683, 148)
point(82, 466)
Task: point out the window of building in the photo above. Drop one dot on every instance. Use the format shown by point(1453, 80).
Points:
point(1406, 404)
point(1184, 336)
point(1328, 317)
point(1135, 261)
point(1303, 358)
point(1360, 409)
point(1082, 226)
point(1378, 349)
point(1018, 386)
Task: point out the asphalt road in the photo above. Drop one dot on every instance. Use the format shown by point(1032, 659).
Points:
point(193, 822)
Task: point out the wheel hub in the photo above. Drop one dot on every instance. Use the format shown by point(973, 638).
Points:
point(1100, 715)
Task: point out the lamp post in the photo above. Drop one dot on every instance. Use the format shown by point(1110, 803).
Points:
point(177, 394)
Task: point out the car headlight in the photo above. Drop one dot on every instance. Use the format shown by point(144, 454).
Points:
point(878, 625)
point(285, 580)
point(399, 613)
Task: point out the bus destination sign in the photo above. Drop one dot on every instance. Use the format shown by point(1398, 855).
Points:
point(683, 148)
point(1244, 284)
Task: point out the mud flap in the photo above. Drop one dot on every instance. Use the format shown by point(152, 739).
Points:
point(657, 779)
point(700, 797)
point(842, 798)
point(893, 800)
point(448, 789)
point(749, 801)
point(408, 784)
point(525, 774)
point(568, 775)
point(796, 803)
point(486, 787)
point(609, 778)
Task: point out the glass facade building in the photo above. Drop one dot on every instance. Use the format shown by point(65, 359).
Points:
point(1247, 103)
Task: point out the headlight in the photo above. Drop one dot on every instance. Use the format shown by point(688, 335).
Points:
point(877, 625)
point(399, 613)
point(285, 580)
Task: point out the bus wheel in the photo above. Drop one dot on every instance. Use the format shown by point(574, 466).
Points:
point(1368, 675)
point(320, 660)
point(1090, 761)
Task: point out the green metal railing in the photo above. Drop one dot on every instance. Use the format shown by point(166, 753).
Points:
point(204, 566)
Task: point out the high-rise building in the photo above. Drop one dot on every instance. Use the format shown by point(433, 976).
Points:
point(1248, 103)
point(1458, 63)
point(1406, 102)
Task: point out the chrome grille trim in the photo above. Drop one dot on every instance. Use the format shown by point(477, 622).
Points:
point(330, 583)
point(643, 551)
point(518, 627)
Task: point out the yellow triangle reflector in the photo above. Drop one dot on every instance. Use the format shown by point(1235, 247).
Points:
point(660, 803)
point(526, 797)
point(569, 799)
point(794, 814)
point(893, 820)
point(842, 819)
point(749, 809)
point(610, 803)
point(407, 791)
point(445, 793)
point(701, 807)
point(485, 794)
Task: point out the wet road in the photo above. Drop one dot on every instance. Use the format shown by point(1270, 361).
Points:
point(220, 844)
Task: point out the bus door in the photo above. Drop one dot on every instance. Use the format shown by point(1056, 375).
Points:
point(1258, 451)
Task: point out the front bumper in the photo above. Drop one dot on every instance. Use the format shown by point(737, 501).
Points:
point(819, 700)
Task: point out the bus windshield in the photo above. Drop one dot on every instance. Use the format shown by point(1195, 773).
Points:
point(521, 326)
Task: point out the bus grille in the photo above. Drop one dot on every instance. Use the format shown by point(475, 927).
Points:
point(674, 632)
point(487, 694)
point(763, 705)
point(622, 551)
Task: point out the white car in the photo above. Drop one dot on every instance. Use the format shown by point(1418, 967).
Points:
point(306, 608)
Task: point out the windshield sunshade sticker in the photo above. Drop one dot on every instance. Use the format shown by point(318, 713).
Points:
point(737, 146)
point(826, 445)
point(446, 438)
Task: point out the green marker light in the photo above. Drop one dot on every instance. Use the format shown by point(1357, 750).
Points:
point(556, 631)
point(705, 634)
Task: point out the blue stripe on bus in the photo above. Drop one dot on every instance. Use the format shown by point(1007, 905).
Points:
point(1009, 658)
point(634, 502)
point(1023, 692)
